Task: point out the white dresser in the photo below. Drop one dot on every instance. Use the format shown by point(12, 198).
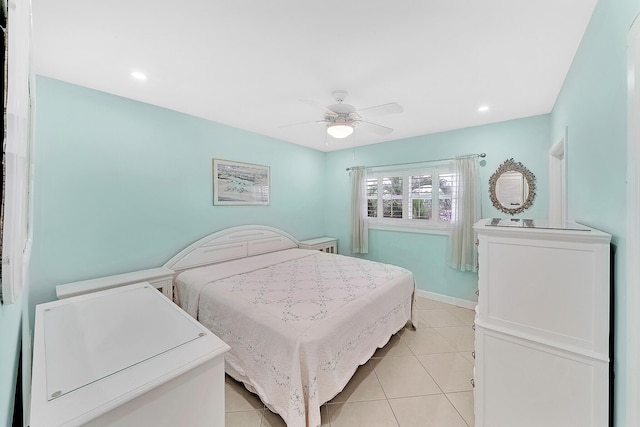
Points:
point(542, 326)
point(125, 357)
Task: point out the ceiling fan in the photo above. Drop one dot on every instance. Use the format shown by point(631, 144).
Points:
point(341, 119)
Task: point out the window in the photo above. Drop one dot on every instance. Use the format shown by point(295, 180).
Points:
point(407, 198)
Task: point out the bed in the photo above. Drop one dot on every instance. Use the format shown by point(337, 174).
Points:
point(299, 322)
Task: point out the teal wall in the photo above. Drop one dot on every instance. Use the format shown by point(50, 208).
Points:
point(10, 335)
point(593, 105)
point(526, 140)
point(122, 185)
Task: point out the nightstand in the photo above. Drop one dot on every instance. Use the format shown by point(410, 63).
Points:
point(160, 278)
point(324, 244)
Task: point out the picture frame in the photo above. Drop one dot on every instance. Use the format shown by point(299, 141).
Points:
point(240, 184)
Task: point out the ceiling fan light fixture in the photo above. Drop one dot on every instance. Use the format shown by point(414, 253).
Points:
point(339, 130)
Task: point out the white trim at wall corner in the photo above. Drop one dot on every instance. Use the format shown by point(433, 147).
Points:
point(459, 302)
point(632, 373)
point(558, 179)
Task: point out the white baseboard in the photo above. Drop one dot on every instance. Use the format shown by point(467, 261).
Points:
point(471, 305)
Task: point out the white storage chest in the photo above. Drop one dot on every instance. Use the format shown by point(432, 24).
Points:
point(125, 356)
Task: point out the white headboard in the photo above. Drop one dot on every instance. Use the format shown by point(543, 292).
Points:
point(232, 243)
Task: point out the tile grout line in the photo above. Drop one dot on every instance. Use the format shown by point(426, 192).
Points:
point(385, 393)
point(456, 408)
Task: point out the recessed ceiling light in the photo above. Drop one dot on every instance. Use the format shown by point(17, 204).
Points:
point(138, 75)
point(483, 108)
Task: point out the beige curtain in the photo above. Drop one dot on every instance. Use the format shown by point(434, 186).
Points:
point(359, 220)
point(463, 252)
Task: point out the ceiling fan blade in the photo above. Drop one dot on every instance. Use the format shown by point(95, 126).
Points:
point(378, 110)
point(375, 128)
point(320, 106)
point(301, 123)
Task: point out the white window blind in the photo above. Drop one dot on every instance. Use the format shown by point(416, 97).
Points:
point(416, 198)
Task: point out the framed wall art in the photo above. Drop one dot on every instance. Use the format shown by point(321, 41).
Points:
point(236, 183)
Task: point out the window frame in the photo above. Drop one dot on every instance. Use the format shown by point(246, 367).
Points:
point(406, 223)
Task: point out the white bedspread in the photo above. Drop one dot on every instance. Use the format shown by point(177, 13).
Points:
point(299, 322)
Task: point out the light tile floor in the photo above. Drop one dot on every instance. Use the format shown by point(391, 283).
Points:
point(421, 378)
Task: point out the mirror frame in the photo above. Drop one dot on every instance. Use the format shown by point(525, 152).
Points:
point(510, 165)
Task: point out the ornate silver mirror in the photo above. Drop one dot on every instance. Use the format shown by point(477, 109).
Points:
point(512, 187)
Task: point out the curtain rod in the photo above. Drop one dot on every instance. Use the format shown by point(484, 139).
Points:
point(481, 155)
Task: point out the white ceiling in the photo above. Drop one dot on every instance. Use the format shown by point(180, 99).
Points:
point(248, 63)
